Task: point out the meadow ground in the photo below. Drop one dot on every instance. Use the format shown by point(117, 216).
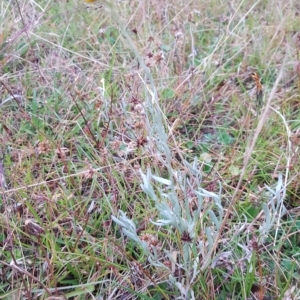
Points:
point(149, 149)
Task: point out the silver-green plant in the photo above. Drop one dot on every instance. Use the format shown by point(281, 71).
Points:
point(177, 215)
point(274, 209)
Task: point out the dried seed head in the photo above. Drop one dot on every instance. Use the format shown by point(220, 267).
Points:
point(186, 237)
point(43, 147)
point(33, 228)
point(141, 142)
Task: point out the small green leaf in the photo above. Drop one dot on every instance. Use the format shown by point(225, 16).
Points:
point(190, 145)
point(234, 170)
point(167, 94)
point(225, 138)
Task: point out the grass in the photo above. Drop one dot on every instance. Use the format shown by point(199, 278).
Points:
point(135, 161)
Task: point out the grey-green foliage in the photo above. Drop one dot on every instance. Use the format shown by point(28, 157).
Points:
point(176, 214)
point(274, 209)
